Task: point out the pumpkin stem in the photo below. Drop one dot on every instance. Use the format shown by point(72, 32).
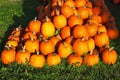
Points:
point(8, 46)
point(23, 48)
point(38, 52)
point(83, 39)
point(34, 32)
point(46, 18)
point(91, 52)
point(110, 49)
point(35, 18)
point(90, 23)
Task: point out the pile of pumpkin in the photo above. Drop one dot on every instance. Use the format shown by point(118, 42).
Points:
point(76, 30)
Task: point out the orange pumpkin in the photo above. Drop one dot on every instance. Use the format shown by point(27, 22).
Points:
point(22, 56)
point(53, 59)
point(47, 28)
point(80, 3)
point(65, 32)
point(34, 25)
point(83, 12)
point(67, 11)
point(64, 49)
point(74, 20)
point(13, 43)
point(113, 32)
point(109, 56)
point(91, 59)
point(46, 47)
point(59, 21)
point(32, 45)
point(80, 47)
point(101, 39)
point(79, 31)
point(97, 10)
point(74, 59)
point(91, 28)
point(37, 60)
point(28, 35)
point(8, 55)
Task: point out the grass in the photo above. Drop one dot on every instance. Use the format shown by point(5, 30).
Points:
point(19, 12)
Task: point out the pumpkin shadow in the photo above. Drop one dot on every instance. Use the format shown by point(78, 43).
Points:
point(29, 13)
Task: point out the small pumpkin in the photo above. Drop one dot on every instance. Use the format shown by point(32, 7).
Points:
point(80, 46)
point(53, 59)
point(64, 49)
point(46, 47)
point(37, 60)
point(109, 56)
point(67, 11)
point(65, 32)
point(8, 55)
point(74, 20)
point(59, 21)
point(13, 43)
point(32, 45)
point(47, 28)
point(34, 25)
point(91, 59)
point(92, 28)
point(22, 56)
point(79, 31)
point(101, 39)
point(74, 59)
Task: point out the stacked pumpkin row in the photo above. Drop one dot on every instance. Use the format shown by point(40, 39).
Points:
point(71, 29)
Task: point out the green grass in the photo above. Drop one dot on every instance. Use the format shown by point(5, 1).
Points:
point(14, 13)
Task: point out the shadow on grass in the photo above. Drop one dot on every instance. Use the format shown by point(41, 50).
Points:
point(29, 12)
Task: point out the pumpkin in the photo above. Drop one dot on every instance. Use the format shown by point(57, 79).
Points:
point(8, 55)
point(70, 40)
point(13, 43)
point(112, 32)
point(97, 10)
point(67, 11)
point(80, 46)
point(83, 12)
point(28, 35)
point(101, 39)
point(102, 28)
point(17, 31)
point(80, 3)
point(69, 3)
point(37, 60)
point(74, 59)
point(14, 37)
point(47, 28)
point(64, 49)
point(53, 59)
point(79, 31)
point(56, 40)
point(109, 56)
point(34, 25)
point(32, 45)
point(46, 47)
point(59, 21)
point(91, 59)
point(74, 20)
point(22, 56)
point(91, 44)
point(91, 28)
point(65, 32)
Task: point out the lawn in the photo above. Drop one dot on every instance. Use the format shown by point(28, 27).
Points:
point(19, 12)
